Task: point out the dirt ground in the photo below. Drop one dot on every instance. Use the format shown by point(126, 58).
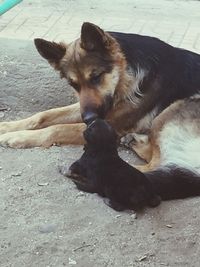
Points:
point(45, 220)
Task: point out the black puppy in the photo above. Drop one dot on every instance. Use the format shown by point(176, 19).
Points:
point(101, 170)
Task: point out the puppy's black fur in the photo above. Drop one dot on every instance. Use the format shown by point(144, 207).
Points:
point(101, 170)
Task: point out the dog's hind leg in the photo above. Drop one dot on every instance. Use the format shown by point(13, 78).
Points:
point(60, 134)
point(146, 148)
point(63, 115)
point(139, 143)
point(153, 163)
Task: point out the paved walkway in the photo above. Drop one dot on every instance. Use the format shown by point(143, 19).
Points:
point(177, 22)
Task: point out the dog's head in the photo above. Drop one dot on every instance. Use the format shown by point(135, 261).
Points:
point(92, 65)
point(100, 134)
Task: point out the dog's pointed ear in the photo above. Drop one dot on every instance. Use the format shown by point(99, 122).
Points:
point(93, 38)
point(51, 51)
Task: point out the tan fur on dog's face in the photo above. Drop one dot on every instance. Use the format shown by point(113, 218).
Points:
point(90, 74)
point(92, 65)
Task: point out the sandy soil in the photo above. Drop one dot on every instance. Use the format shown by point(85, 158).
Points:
point(45, 220)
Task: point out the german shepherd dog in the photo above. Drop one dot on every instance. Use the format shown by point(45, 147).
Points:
point(139, 84)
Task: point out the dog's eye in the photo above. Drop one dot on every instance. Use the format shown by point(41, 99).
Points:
point(96, 78)
point(74, 85)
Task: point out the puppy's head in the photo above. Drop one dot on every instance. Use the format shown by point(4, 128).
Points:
point(100, 134)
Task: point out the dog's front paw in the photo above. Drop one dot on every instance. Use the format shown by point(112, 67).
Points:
point(6, 127)
point(12, 139)
point(23, 139)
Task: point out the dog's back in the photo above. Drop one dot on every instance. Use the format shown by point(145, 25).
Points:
point(164, 73)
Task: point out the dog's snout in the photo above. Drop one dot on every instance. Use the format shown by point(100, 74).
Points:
point(89, 117)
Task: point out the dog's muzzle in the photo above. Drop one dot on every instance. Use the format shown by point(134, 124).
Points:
point(92, 113)
point(89, 117)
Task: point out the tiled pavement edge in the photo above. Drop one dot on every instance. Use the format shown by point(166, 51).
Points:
point(177, 22)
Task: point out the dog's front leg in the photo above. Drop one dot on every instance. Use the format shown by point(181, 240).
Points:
point(63, 115)
point(61, 134)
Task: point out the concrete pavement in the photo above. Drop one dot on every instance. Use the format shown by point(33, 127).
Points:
point(177, 22)
point(44, 219)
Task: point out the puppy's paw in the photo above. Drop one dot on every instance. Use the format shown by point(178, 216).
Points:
point(86, 187)
point(114, 205)
point(155, 201)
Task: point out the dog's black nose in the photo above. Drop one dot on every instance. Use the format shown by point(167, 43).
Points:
point(89, 117)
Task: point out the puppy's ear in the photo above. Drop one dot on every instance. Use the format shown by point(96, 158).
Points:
point(93, 38)
point(51, 51)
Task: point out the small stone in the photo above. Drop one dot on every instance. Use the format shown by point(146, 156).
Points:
point(134, 216)
point(72, 262)
point(47, 228)
point(169, 225)
point(118, 216)
point(112, 234)
point(2, 114)
point(80, 194)
point(42, 184)
point(90, 223)
point(143, 258)
point(16, 174)
point(1, 168)
point(4, 109)
point(123, 245)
